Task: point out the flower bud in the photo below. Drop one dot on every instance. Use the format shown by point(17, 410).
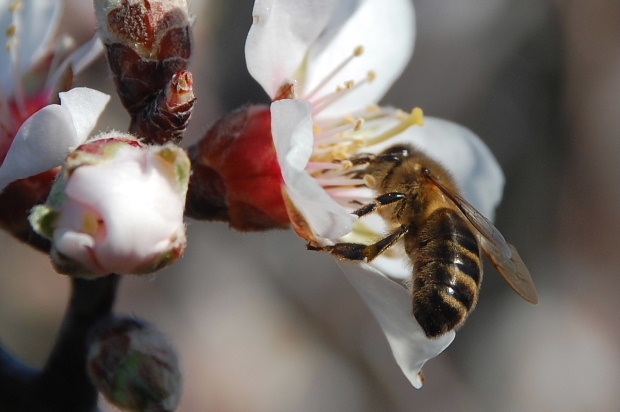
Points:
point(134, 366)
point(235, 173)
point(148, 45)
point(116, 207)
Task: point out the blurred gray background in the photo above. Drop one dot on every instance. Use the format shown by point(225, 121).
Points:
point(262, 325)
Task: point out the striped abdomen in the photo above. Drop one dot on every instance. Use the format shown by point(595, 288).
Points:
point(448, 271)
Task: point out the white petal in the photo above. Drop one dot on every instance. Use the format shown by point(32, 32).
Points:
point(390, 303)
point(46, 137)
point(85, 106)
point(40, 144)
point(78, 60)
point(281, 33)
point(40, 20)
point(386, 30)
point(77, 245)
point(291, 128)
point(466, 157)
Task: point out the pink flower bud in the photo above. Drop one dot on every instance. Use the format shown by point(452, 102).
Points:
point(134, 366)
point(117, 207)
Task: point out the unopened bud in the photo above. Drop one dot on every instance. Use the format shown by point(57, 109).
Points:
point(148, 44)
point(134, 366)
point(116, 207)
point(166, 117)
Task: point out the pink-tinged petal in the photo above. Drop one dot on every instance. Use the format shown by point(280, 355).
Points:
point(291, 128)
point(463, 154)
point(385, 29)
point(85, 106)
point(46, 137)
point(281, 32)
point(140, 209)
point(390, 303)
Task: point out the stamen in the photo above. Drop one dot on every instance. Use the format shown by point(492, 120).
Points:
point(334, 135)
point(348, 118)
point(340, 92)
point(416, 117)
point(339, 182)
point(373, 108)
point(12, 47)
point(358, 51)
point(322, 166)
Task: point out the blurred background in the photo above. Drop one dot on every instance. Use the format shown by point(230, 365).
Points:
point(262, 325)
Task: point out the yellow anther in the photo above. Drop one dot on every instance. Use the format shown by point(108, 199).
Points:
point(349, 84)
point(16, 5)
point(10, 31)
point(417, 116)
point(371, 76)
point(316, 129)
point(401, 114)
point(373, 108)
point(358, 142)
point(348, 118)
point(346, 164)
point(370, 181)
point(359, 123)
point(356, 52)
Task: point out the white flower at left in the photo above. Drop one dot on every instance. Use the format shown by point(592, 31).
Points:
point(35, 136)
point(116, 207)
point(45, 138)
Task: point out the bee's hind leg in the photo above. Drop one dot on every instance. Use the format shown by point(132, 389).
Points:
point(359, 251)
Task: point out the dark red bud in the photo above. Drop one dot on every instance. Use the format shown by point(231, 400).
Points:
point(236, 176)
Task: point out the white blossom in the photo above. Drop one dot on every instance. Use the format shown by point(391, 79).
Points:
point(326, 64)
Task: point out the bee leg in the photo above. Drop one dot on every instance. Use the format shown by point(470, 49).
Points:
point(384, 199)
point(359, 251)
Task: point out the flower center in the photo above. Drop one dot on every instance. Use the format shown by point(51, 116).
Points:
point(373, 125)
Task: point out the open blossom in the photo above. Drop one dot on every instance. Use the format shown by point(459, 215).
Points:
point(34, 66)
point(45, 138)
point(117, 207)
point(326, 65)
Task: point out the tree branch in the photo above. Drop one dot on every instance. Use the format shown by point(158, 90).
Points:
point(63, 384)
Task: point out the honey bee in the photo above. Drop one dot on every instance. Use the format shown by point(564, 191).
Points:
point(443, 235)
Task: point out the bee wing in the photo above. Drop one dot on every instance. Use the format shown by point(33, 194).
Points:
point(512, 269)
point(502, 254)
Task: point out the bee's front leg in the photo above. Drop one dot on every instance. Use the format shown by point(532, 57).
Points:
point(359, 251)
